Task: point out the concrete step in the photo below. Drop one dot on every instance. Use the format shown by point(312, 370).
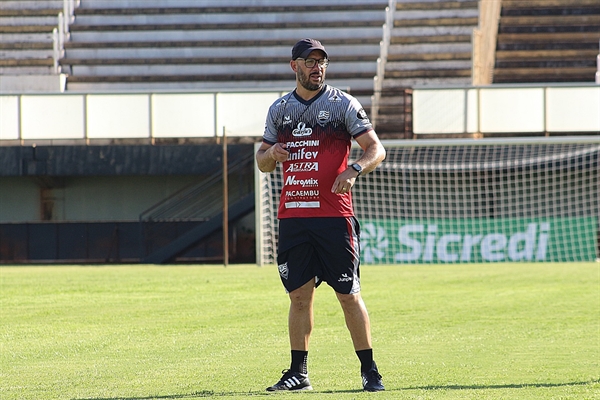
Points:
point(26, 70)
point(25, 54)
point(533, 55)
point(579, 63)
point(26, 62)
point(236, 71)
point(390, 84)
point(429, 73)
point(547, 46)
point(549, 20)
point(20, 29)
point(436, 14)
point(24, 21)
point(428, 65)
point(218, 26)
point(421, 31)
point(431, 39)
point(230, 4)
point(32, 4)
point(220, 22)
point(30, 12)
point(246, 54)
point(430, 48)
point(522, 75)
point(434, 5)
point(430, 57)
point(546, 7)
point(291, 35)
point(26, 46)
point(548, 37)
point(341, 61)
point(17, 38)
point(432, 22)
point(132, 22)
point(523, 4)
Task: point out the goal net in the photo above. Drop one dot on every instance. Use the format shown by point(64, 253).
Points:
point(459, 200)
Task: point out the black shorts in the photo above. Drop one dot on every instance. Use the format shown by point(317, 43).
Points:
point(324, 249)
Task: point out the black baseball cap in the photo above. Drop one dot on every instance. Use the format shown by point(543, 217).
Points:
point(303, 48)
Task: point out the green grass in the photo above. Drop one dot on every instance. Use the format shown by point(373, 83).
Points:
point(486, 331)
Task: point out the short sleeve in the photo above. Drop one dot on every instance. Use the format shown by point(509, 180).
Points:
point(357, 120)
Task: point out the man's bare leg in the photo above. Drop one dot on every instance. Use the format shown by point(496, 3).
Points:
point(359, 325)
point(357, 320)
point(301, 320)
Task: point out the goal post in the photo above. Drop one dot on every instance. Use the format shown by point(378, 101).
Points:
point(467, 200)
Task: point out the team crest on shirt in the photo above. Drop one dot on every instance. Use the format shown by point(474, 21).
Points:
point(335, 99)
point(323, 116)
point(283, 270)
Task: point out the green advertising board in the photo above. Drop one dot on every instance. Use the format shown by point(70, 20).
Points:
point(479, 240)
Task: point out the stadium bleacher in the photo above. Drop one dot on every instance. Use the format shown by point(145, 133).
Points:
point(27, 45)
point(217, 45)
point(547, 41)
point(430, 45)
point(26, 33)
point(236, 45)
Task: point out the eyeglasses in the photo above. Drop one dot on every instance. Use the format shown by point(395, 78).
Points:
point(310, 62)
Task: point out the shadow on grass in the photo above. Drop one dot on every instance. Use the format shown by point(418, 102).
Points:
point(212, 394)
point(505, 386)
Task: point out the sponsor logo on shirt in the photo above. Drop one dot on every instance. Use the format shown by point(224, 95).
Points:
point(302, 193)
point(303, 167)
point(302, 130)
point(302, 143)
point(302, 154)
point(310, 182)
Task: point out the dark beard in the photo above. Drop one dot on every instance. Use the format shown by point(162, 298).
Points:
point(305, 82)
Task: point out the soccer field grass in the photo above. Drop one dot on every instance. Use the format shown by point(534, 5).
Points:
point(479, 331)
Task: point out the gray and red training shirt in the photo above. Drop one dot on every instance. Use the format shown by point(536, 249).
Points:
point(318, 135)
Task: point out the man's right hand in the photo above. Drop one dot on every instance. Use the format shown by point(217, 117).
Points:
point(278, 152)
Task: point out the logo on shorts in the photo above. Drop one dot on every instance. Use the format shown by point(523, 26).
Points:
point(283, 270)
point(345, 278)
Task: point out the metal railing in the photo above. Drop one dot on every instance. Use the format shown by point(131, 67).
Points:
point(382, 60)
point(62, 32)
point(186, 205)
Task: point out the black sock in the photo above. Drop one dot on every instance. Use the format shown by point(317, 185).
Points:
point(299, 361)
point(366, 359)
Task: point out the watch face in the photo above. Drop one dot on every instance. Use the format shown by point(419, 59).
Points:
point(357, 168)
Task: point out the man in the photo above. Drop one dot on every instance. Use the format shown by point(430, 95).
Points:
point(309, 131)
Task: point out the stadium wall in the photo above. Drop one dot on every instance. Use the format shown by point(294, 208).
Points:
point(77, 170)
point(83, 203)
